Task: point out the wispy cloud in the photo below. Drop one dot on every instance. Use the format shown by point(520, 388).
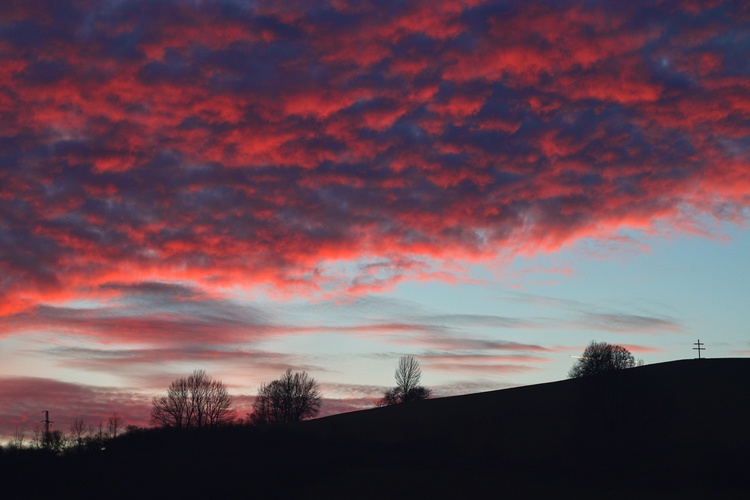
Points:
point(630, 323)
point(494, 369)
point(464, 358)
point(147, 312)
point(150, 367)
point(618, 318)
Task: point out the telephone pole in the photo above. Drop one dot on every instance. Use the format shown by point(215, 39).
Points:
point(699, 348)
point(46, 421)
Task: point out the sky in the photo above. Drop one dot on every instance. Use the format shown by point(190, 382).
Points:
point(249, 186)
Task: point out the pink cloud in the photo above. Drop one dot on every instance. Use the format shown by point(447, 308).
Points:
point(640, 349)
point(263, 148)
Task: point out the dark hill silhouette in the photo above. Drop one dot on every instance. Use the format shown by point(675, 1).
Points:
point(681, 425)
point(678, 428)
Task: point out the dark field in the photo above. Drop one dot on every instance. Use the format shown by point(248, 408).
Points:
point(665, 430)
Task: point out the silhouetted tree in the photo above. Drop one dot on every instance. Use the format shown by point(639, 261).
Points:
point(100, 436)
point(115, 424)
point(294, 397)
point(600, 357)
point(78, 432)
point(408, 374)
point(54, 440)
point(194, 401)
point(16, 441)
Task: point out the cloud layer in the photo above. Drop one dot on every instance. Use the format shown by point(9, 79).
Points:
point(226, 143)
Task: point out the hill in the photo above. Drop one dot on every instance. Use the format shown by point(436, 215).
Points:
point(680, 425)
point(664, 429)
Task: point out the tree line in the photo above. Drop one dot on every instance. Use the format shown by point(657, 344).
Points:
point(199, 401)
point(81, 436)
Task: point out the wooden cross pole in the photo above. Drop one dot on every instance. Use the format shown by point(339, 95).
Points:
point(699, 348)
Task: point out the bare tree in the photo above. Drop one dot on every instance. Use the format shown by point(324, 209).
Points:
point(38, 437)
point(600, 357)
point(194, 401)
point(115, 424)
point(78, 432)
point(16, 441)
point(293, 397)
point(100, 436)
point(408, 374)
point(54, 440)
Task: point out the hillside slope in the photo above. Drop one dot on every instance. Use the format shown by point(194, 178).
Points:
point(673, 425)
point(678, 428)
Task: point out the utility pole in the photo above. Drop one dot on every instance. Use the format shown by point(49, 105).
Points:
point(46, 421)
point(699, 348)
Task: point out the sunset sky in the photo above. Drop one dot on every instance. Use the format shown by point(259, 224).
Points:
point(246, 186)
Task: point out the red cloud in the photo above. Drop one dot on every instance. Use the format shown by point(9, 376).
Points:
point(270, 145)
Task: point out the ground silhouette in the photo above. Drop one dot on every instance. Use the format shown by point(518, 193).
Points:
point(667, 429)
